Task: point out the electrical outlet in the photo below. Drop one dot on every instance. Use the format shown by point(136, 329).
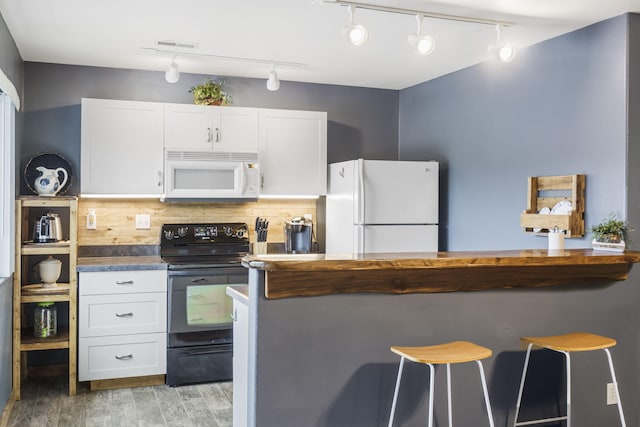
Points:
point(612, 398)
point(143, 222)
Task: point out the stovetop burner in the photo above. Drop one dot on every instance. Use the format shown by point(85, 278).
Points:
point(211, 244)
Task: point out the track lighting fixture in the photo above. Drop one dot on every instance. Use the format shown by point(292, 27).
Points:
point(172, 75)
point(356, 33)
point(273, 83)
point(505, 52)
point(425, 45)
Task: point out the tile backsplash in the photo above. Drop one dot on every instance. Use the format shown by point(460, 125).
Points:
point(116, 219)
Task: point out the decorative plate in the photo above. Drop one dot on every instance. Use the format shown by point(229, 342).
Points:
point(563, 207)
point(49, 161)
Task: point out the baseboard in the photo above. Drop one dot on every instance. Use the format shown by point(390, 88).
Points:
point(6, 413)
point(127, 382)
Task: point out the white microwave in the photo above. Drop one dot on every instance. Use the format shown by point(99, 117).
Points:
point(210, 175)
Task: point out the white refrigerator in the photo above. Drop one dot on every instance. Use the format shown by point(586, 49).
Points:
point(382, 206)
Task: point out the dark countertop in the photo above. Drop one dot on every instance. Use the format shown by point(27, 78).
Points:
point(319, 274)
point(120, 263)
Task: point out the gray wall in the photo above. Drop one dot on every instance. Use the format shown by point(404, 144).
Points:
point(10, 60)
point(558, 109)
point(6, 339)
point(362, 122)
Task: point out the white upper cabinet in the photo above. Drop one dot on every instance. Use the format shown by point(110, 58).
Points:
point(206, 128)
point(293, 152)
point(121, 147)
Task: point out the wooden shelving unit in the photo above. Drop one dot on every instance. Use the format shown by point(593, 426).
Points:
point(541, 195)
point(29, 208)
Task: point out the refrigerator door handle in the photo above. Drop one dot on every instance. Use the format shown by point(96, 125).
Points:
point(360, 192)
point(359, 243)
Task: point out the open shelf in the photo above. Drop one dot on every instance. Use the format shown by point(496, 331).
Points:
point(36, 293)
point(29, 342)
point(26, 289)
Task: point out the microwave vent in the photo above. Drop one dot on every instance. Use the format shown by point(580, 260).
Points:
point(211, 155)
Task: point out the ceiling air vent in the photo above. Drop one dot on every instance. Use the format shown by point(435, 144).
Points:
point(173, 43)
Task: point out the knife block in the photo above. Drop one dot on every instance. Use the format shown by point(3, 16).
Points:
point(259, 248)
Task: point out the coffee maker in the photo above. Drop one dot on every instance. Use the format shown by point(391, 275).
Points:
point(298, 234)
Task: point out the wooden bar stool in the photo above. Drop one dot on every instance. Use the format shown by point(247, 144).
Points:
point(453, 352)
point(565, 344)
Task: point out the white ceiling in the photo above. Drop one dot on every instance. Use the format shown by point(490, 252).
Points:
point(113, 33)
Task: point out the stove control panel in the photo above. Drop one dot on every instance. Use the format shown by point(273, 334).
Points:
point(213, 232)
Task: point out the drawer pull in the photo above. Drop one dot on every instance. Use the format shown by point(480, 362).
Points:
point(124, 314)
point(125, 357)
point(201, 279)
point(124, 282)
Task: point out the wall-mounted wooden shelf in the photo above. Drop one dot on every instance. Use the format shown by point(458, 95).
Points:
point(541, 195)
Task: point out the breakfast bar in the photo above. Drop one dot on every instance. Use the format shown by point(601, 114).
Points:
point(319, 327)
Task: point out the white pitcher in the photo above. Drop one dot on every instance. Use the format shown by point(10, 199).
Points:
point(48, 183)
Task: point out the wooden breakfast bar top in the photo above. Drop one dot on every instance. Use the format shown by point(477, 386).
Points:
point(301, 275)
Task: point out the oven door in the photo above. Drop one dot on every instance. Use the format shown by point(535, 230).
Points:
point(199, 308)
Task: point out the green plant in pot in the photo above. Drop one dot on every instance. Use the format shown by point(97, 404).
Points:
point(210, 93)
point(610, 234)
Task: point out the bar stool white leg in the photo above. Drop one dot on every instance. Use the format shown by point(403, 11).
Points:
point(449, 409)
point(395, 393)
point(431, 388)
point(486, 393)
point(568, 361)
point(615, 385)
point(524, 375)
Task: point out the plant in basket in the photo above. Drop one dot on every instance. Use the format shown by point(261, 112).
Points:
point(610, 234)
point(210, 93)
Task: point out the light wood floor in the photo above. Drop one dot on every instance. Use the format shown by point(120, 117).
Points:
point(45, 403)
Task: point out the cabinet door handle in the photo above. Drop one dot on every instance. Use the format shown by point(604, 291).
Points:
point(209, 135)
point(124, 314)
point(217, 135)
point(125, 357)
point(200, 279)
point(124, 282)
point(234, 315)
point(261, 180)
point(159, 178)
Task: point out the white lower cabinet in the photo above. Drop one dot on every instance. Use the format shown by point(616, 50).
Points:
point(122, 324)
point(123, 356)
point(240, 362)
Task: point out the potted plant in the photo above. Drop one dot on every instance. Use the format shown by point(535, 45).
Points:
point(210, 93)
point(610, 234)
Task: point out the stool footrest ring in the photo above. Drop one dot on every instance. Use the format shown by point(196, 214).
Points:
point(545, 420)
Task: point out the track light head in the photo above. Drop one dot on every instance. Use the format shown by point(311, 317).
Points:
point(172, 75)
point(273, 84)
point(504, 52)
point(425, 45)
point(507, 52)
point(356, 33)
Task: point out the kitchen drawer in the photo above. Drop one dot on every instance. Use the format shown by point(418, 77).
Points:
point(118, 282)
point(122, 314)
point(102, 358)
